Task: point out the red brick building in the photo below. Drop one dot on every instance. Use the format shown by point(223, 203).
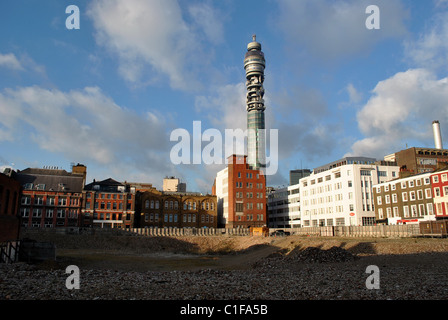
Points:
point(51, 197)
point(10, 190)
point(439, 181)
point(108, 204)
point(241, 193)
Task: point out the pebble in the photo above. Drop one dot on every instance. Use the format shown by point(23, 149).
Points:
point(309, 275)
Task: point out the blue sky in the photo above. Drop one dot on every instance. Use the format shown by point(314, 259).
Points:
point(109, 94)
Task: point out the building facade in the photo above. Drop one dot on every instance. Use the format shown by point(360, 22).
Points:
point(404, 200)
point(284, 207)
point(173, 184)
point(10, 191)
point(419, 160)
point(51, 197)
point(241, 195)
point(108, 204)
point(297, 174)
point(341, 193)
point(158, 209)
point(439, 183)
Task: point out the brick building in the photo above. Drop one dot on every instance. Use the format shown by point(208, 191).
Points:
point(176, 209)
point(404, 200)
point(439, 181)
point(108, 204)
point(51, 197)
point(241, 195)
point(418, 160)
point(10, 190)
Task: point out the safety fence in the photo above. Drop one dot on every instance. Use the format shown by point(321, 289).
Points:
point(407, 230)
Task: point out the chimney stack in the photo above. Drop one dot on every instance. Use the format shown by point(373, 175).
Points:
point(437, 134)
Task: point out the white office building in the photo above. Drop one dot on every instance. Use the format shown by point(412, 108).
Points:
point(341, 193)
point(284, 207)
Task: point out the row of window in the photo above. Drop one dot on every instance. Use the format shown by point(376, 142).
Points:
point(118, 196)
point(187, 205)
point(409, 184)
point(249, 185)
point(413, 195)
point(248, 175)
point(154, 217)
point(50, 201)
point(250, 217)
point(61, 213)
point(408, 211)
point(109, 205)
point(110, 216)
point(444, 178)
point(249, 195)
point(321, 222)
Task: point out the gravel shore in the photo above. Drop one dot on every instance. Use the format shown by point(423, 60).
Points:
point(291, 273)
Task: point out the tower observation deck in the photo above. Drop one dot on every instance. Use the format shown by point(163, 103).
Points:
point(254, 64)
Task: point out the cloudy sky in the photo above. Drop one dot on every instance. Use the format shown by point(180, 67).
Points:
point(110, 93)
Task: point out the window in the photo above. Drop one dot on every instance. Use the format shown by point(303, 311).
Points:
point(412, 195)
point(429, 208)
point(419, 194)
point(411, 183)
point(414, 210)
point(394, 198)
point(62, 201)
point(421, 209)
point(404, 196)
point(396, 212)
point(428, 193)
point(387, 198)
point(437, 192)
point(380, 213)
point(49, 213)
point(26, 200)
point(50, 201)
point(37, 213)
point(378, 200)
point(147, 205)
point(406, 211)
point(152, 204)
point(435, 179)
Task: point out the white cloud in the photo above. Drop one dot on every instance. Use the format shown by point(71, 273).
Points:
point(10, 61)
point(400, 111)
point(430, 49)
point(354, 95)
point(152, 39)
point(225, 107)
point(86, 126)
